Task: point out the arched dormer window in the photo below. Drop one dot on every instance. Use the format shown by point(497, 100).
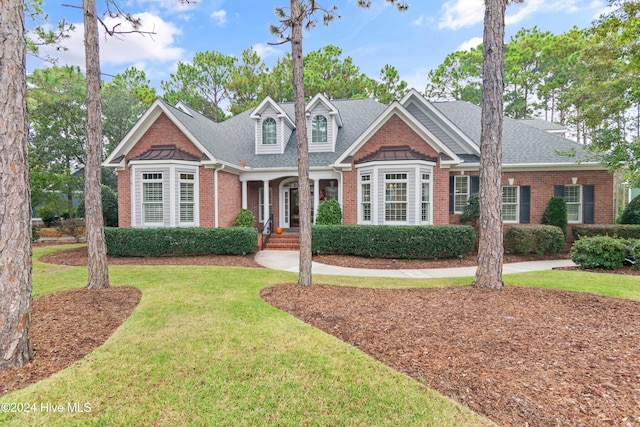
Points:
point(269, 131)
point(319, 129)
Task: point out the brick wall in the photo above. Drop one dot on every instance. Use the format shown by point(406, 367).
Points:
point(229, 198)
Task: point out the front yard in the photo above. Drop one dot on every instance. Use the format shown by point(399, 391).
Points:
point(202, 348)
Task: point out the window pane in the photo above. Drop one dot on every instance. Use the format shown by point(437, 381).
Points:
point(395, 197)
point(366, 199)
point(186, 192)
point(269, 131)
point(152, 192)
point(461, 188)
point(572, 193)
point(510, 213)
point(319, 129)
point(573, 212)
point(186, 212)
point(425, 201)
point(153, 212)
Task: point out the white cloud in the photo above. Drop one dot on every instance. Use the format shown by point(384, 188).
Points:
point(265, 50)
point(419, 21)
point(524, 10)
point(417, 79)
point(470, 44)
point(461, 13)
point(125, 49)
point(220, 17)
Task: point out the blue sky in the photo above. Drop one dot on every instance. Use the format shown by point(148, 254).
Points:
point(414, 42)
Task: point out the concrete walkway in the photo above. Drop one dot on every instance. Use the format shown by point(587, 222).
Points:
point(288, 261)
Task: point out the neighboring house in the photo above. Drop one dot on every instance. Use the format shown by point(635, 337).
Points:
point(412, 162)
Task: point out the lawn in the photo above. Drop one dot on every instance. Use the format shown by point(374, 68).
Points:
point(202, 348)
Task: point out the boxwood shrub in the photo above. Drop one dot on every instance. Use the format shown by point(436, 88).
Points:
point(621, 231)
point(599, 251)
point(180, 241)
point(534, 239)
point(431, 241)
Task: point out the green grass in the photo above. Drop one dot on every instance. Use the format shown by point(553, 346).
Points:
point(202, 348)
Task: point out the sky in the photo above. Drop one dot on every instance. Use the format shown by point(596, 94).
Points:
point(414, 42)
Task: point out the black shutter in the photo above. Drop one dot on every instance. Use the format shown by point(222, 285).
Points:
point(525, 204)
point(558, 190)
point(475, 185)
point(588, 214)
point(452, 190)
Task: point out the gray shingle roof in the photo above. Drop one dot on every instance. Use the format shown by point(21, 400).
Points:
point(233, 141)
point(521, 144)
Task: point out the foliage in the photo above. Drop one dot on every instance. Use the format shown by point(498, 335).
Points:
point(35, 232)
point(556, 213)
point(617, 231)
point(599, 251)
point(631, 214)
point(74, 227)
point(180, 241)
point(244, 218)
point(431, 241)
point(47, 215)
point(471, 213)
point(329, 213)
point(390, 87)
point(534, 239)
point(109, 206)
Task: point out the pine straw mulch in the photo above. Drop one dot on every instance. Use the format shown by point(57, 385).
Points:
point(522, 356)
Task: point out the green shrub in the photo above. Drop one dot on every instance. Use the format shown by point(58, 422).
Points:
point(329, 213)
point(181, 241)
point(534, 239)
point(35, 233)
point(109, 206)
point(47, 215)
point(244, 218)
point(74, 227)
point(430, 241)
point(620, 231)
point(556, 213)
point(599, 251)
point(631, 214)
point(471, 212)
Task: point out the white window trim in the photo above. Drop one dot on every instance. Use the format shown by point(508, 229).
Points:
point(326, 129)
point(579, 204)
point(171, 195)
point(467, 194)
point(406, 198)
point(143, 204)
point(420, 184)
point(517, 203)
point(262, 126)
point(361, 183)
point(179, 197)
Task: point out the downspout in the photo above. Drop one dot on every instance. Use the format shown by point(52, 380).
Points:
point(215, 195)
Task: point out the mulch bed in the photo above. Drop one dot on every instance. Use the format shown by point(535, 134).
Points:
point(68, 325)
point(522, 356)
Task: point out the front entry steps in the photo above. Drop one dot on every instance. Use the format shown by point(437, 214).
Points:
point(287, 241)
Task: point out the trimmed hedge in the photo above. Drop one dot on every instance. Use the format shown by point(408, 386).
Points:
point(180, 241)
point(534, 239)
point(599, 251)
point(387, 241)
point(556, 213)
point(621, 231)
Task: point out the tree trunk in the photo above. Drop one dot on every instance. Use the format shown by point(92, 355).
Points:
point(490, 251)
point(304, 188)
point(98, 271)
point(15, 209)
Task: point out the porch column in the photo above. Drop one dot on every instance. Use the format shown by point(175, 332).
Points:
point(266, 205)
point(244, 194)
point(316, 198)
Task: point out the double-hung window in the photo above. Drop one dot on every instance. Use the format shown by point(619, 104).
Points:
point(510, 203)
point(187, 197)
point(318, 129)
point(365, 198)
point(269, 131)
point(461, 193)
point(573, 197)
point(426, 196)
point(152, 198)
point(395, 197)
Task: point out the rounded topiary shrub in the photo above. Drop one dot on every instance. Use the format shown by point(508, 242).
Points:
point(556, 213)
point(329, 213)
point(631, 214)
point(599, 251)
point(48, 216)
point(244, 218)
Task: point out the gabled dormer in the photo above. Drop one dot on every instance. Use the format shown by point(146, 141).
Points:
point(323, 121)
point(273, 127)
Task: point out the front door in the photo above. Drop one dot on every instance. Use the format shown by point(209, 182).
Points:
point(294, 210)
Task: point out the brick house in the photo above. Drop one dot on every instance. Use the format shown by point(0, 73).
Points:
point(411, 162)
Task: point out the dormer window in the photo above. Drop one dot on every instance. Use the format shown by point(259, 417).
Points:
point(319, 129)
point(269, 131)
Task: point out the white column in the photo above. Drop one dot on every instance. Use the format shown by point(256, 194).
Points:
point(316, 198)
point(266, 203)
point(244, 194)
